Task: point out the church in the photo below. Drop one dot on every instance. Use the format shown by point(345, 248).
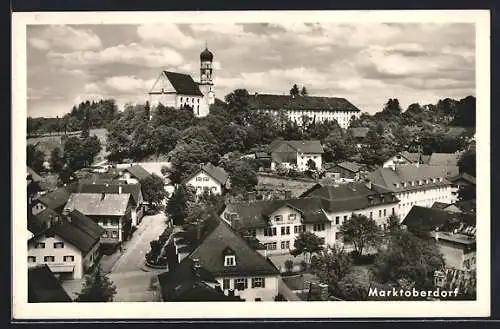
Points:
point(173, 89)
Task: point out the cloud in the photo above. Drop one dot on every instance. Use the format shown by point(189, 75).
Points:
point(132, 54)
point(64, 38)
point(166, 34)
point(128, 84)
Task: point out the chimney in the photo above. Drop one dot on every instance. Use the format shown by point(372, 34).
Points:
point(288, 194)
point(120, 189)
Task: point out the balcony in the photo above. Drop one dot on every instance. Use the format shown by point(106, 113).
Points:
point(61, 267)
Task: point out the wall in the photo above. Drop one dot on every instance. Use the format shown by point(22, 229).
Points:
point(202, 181)
point(424, 198)
point(266, 294)
point(91, 257)
point(453, 254)
point(342, 117)
point(58, 265)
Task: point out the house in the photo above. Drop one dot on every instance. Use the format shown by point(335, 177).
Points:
point(414, 186)
point(43, 286)
point(135, 174)
point(455, 233)
point(118, 187)
point(189, 282)
point(208, 178)
point(153, 168)
point(345, 171)
point(296, 154)
point(68, 243)
point(54, 200)
point(177, 90)
point(321, 210)
point(111, 211)
point(317, 109)
point(359, 135)
point(238, 268)
point(404, 157)
point(462, 183)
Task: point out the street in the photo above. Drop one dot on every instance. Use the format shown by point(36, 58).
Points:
point(136, 248)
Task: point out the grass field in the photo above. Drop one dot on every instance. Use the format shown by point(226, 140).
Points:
point(47, 143)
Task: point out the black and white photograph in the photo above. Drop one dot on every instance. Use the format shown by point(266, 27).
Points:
point(251, 157)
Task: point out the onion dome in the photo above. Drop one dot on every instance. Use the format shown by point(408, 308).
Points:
point(206, 55)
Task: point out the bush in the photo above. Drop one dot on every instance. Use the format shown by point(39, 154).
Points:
point(280, 298)
point(358, 259)
point(289, 265)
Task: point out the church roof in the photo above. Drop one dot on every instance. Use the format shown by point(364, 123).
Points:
point(183, 83)
point(206, 55)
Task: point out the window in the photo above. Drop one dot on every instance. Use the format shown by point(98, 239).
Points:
point(285, 244)
point(230, 260)
point(226, 284)
point(40, 245)
point(198, 102)
point(285, 230)
point(299, 228)
point(371, 214)
point(181, 99)
point(337, 220)
point(258, 299)
point(114, 234)
point(205, 179)
point(104, 222)
point(345, 218)
point(380, 213)
point(69, 258)
point(270, 231)
point(252, 232)
point(319, 227)
point(58, 245)
point(393, 211)
point(105, 234)
point(31, 259)
point(278, 218)
point(258, 283)
point(385, 212)
point(214, 189)
point(271, 245)
point(292, 217)
point(240, 284)
point(338, 236)
point(49, 259)
point(49, 235)
point(114, 222)
point(199, 179)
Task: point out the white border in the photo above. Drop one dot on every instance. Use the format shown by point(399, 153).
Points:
point(22, 310)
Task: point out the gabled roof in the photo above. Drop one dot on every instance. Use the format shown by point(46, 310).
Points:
point(444, 159)
point(138, 172)
point(111, 187)
point(350, 166)
point(188, 284)
point(310, 103)
point(43, 287)
point(412, 157)
point(217, 173)
point(93, 204)
point(57, 198)
point(393, 179)
point(76, 229)
point(302, 146)
point(41, 221)
point(422, 219)
point(183, 83)
point(359, 132)
point(468, 206)
point(440, 205)
point(248, 261)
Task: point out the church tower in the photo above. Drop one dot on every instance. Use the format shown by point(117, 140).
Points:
point(206, 74)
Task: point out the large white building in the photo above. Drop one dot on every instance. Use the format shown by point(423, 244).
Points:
point(318, 109)
point(179, 90)
point(321, 210)
point(420, 185)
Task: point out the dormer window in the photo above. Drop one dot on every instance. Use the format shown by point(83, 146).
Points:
point(412, 183)
point(440, 179)
point(229, 260)
point(426, 181)
point(396, 185)
point(419, 182)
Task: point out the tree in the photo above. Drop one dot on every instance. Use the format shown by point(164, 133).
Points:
point(393, 223)
point(80, 153)
point(295, 90)
point(467, 162)
point(408, 257)
point(304, 92)
point(238, 106)
point(355, 284)
point(311, 165)
point(153, 189)
point(307, 243)
point(289, 265)
point(331, 266)
point(362, 232)
point(147, 111)
point(56, 160)
point(177, 205)
point(97, 288)
point(465, 112)
point(85, 123)
point(242, 176)
point(34, 158)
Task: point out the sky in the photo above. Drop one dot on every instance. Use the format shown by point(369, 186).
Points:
point(365, 63)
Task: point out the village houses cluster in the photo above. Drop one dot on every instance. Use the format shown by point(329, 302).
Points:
point(231, 257)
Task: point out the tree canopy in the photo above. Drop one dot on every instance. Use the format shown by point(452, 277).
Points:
point(97, 288)
point(362, 232)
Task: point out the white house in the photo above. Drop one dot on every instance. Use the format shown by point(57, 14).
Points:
point(318, 109)
point(67, 243)
point(179, 90)
point(296, 154)
point(321, 210)
point(238, 268)
point(404, 157)
point(414, 186)
point(208, 178)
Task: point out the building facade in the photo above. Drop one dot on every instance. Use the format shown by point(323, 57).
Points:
point(178, 90)
point(209, 178)
point(296, 154)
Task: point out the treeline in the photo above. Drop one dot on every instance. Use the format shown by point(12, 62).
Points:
point(99, 115)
